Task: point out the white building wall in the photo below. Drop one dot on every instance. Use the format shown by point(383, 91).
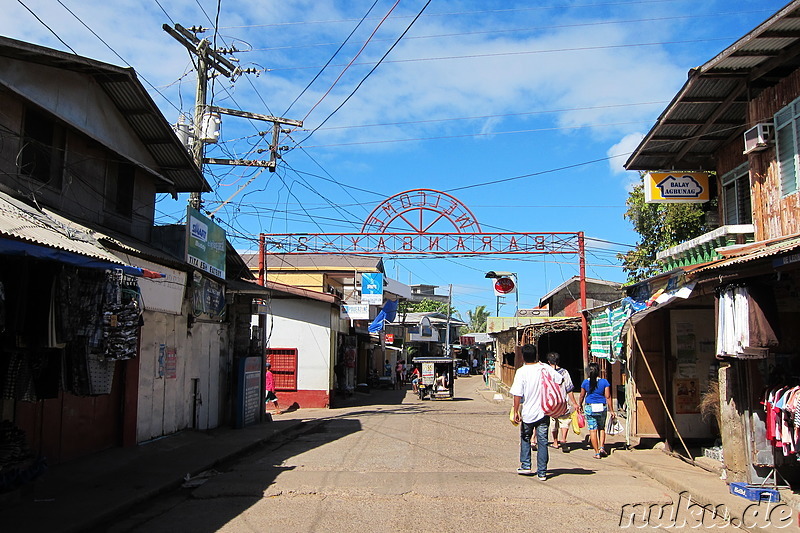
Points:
point(305, 325)
point(166, 405)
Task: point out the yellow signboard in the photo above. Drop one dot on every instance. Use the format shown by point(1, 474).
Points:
point(676, 187)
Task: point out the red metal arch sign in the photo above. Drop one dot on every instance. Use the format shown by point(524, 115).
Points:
point(411, 208)
point(405, 224)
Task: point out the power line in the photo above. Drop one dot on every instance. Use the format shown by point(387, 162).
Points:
point(449, 14)
point(332, 57)
point(116, 54)
point(46, 26)
point(499, 115)
point(463, 135)
point(371, 71)
point(525, 52)
point(528, 29)
point(339, 77)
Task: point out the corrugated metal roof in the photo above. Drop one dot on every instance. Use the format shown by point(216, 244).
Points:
point(710, 110)
point(134, 103)
point(43, 227)
point(752, 252)
point(316, 262)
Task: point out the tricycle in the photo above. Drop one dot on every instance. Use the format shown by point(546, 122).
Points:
point(437, 378)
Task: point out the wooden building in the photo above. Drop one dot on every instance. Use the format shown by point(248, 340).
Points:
point(736, 116)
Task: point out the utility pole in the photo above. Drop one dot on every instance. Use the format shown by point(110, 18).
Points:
point(447, 332)
point(209, 59)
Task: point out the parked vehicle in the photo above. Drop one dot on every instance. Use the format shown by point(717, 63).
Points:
point(438, 375)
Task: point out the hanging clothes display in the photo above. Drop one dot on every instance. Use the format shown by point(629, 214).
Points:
point(2, 307)
point(121, 317)
point(743, 328)
point(606, 332)
point(782, 409)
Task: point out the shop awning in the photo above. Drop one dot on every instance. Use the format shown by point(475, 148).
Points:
point(31, 232)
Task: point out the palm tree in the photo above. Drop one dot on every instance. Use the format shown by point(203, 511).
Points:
point(477, 320)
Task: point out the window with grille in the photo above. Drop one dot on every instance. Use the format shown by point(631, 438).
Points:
point(736, 204)
point(42, 153)
point(283, 363)
point(787, 135)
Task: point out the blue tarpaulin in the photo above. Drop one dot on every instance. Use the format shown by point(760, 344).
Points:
point(386, 314)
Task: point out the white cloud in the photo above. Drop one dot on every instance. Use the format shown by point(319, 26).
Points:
point(620, 152)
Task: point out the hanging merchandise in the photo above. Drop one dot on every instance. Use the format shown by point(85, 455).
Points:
point(743, 329)
point(121, 316)
point(606, 332)
point(2, 307)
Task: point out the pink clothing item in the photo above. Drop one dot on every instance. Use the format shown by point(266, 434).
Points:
point(270, 386)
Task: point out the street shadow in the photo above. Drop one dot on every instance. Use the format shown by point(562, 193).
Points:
point(553, 472)
point(234, 484)
point(375, 396)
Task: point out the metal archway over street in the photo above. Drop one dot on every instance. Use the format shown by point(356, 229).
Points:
point(406, 223)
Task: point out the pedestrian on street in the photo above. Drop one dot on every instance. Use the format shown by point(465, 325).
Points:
point(474, 365)
point(596, 401)
point(562, 423)
point(398, 374)
point(415, 375)
point(270, 387)
point(528, 412)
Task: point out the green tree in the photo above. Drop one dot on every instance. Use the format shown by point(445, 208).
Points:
point(425, 306)
point(660, 226)
point(476, 322)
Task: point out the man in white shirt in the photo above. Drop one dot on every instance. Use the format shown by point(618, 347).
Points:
point(527, 393)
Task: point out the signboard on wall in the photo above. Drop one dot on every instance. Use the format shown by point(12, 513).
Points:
point(354, 312)
point(676, 187)
point(248, 397)
point(205, 243)
point(372, 288)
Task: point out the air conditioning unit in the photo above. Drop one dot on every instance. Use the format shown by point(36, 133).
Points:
point(758, 137)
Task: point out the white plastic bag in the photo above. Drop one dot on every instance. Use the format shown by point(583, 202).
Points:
point(613, 427)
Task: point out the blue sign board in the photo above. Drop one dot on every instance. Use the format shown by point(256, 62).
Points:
point(372, 288)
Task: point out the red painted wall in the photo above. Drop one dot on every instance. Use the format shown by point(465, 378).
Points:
point(303, 399)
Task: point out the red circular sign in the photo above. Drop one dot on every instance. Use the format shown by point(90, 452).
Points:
point(504, 285)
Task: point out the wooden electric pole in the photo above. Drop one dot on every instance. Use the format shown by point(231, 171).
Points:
point(210, 59)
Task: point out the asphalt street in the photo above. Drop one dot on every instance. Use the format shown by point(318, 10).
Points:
point(402, 465)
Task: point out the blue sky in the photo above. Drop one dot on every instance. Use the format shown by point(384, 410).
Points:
point(474, 92)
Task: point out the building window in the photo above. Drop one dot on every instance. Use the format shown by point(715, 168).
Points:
point(735, 197)
point(283, 363)
point(42, 153)
point(119, 188)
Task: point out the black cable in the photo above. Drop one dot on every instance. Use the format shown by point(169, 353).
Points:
point(368, 73)
point(332, 57)
point(46, 26)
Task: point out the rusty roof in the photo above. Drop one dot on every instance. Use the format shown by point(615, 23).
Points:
point(24, 222)
point(736, 255)
point(711, 109)
point(134, 103)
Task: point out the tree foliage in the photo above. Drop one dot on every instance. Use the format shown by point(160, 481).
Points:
point(425, 306)
point(476, 322)
point(660, 226)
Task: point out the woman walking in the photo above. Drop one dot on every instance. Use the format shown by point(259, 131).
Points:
point(596, 400)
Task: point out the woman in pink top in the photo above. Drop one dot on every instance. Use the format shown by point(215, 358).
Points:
point(270, 386)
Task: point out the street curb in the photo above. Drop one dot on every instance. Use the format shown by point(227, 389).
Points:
point(679, 486)
point(112, 512)
point(668, 481)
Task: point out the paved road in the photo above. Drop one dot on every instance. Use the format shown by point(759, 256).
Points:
point(403, 465)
